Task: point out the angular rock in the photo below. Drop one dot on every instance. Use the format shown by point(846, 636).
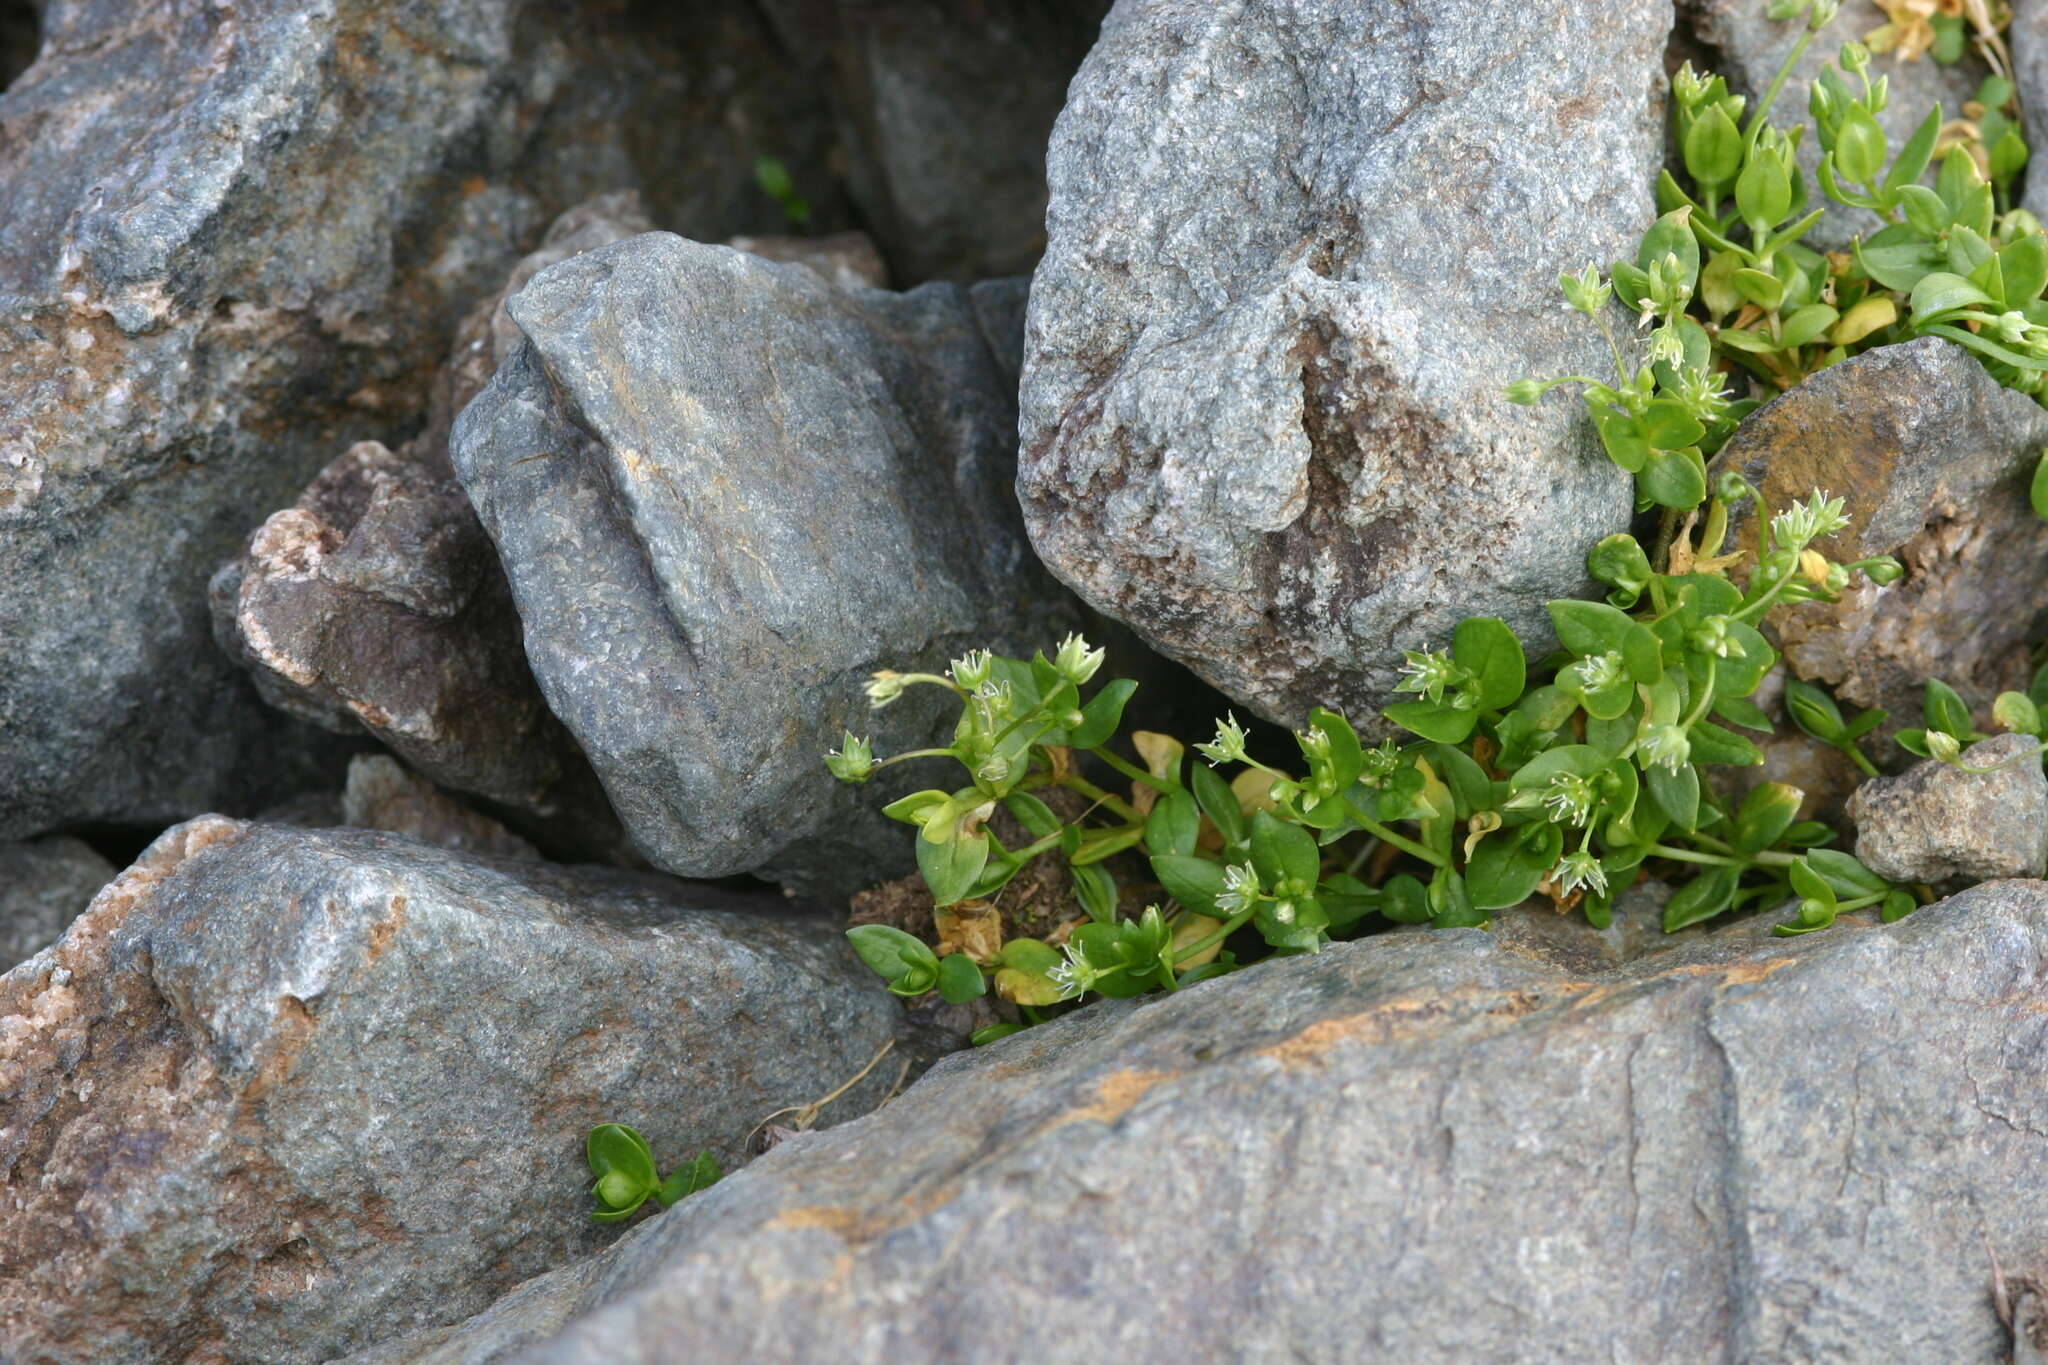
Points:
point(233, 241)
point(1932, 457)
point(1746, 45)
point(381, 794)
point(1295, 252)
point(1936, 824)
point(44, 885)
point(2028, 39)
point(944, 107)
point(1775, 1150)
point(281, 1094)
point(725, 492)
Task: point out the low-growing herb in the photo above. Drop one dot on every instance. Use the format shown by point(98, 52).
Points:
point(622, 1165)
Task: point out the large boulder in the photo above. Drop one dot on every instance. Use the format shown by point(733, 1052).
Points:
point(725, 492)
point(234, 241)
point(1296, 250)
point(1931, 457)
point(1934, 823)
point(280, 1094)
point(1414, 1147)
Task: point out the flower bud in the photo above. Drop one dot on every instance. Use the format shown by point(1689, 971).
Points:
point(853, 760)
point(885, 687)
point(973, 669)
point(1943, 746)
point(1076, 662)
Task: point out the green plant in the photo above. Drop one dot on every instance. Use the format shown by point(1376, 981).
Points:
point(1947, 728)
point(1563, 779)
point(1730, 286)
point(623, 1166)
point(776, 182)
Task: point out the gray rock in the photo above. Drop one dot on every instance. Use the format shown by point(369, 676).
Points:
point(1746, 45)
point(234, 241)
point(44, 885)
point(2028, 39)
point(943, 108)
point(847, 259)
point(725, 492)
point(281, 1094)
point(1405, 1148)
point(1932, 458)
point(381, 794)
point(1936, 824)
point(1295, 252)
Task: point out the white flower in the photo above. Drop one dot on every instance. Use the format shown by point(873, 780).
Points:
point(1580, 869)
point(1428, 672)
point(1820, 515)
point(1599, 672)
point(1240, 889)
point(1076, 662)
point(1569, 799)
point(974, 669)
point(1667, 745)
point(1228, 746)
point(1075, 975)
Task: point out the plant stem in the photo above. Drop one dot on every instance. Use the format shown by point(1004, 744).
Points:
point(1077, 783)
point(1763, 107)
point(1221, 932)
point(1132, 770)
point(1380, 831)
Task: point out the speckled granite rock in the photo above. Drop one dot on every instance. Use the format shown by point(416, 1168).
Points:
point(1415, 1147)
point(725, 492)
point(1932, 458)
point(1936, 824)
point(281, 1094)
point(1296, 250)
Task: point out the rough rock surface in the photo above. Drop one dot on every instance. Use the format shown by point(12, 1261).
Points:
point(2028, 39)
point(233, 241)
point(381, 794)
point(725, 492)
point(1295, 252)
point(1936, 824)
point(847, 259)
point(44, 885)
point(281, 1094)
point(1746, 45)
point(1774, 1150)
point(1932, 458)
point(944, 107)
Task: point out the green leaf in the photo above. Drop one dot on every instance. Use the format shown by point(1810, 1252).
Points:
point(1432, 720)
point(613, 1148)
point(1760, 287)
point(1806, 325)
point(910, 809)
point(1897, 257)
point(1194, 882)
point(1485, 646)
point(1676, 794)
point(1983, 345)
point(1813, 710)
point(1914, 156)
point(699, 1173)
point(1404, 900)
point(1673, 478)
point(1859, 146)
point(1897, 906)
point(1469, 784)
point(1095, 888)
point(1622, 437)
point(1713, 147)
point(950, 869)
point(1175, 823)
point(1811, 885)
point(982, 1037)
point(1766, 813)
point(2037, 494)
point(1282, 852)
point(1218, 802)
point(1590, 628)
point(1672, 235)
point(1032, 813)
point(1744, 712)
point(2017, 711)
point(1846, 874)
point(1702, 898)
point(907, 964)
point(1939, 293)
point(960, 980)
point(2023, 265)
point(1668, 426)
point(1507, 865)
point(1925, 211)
point(2008, 156)
point(1714, 745)
point(1102, 714)
point(1945, 711)
point(1763, 193)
